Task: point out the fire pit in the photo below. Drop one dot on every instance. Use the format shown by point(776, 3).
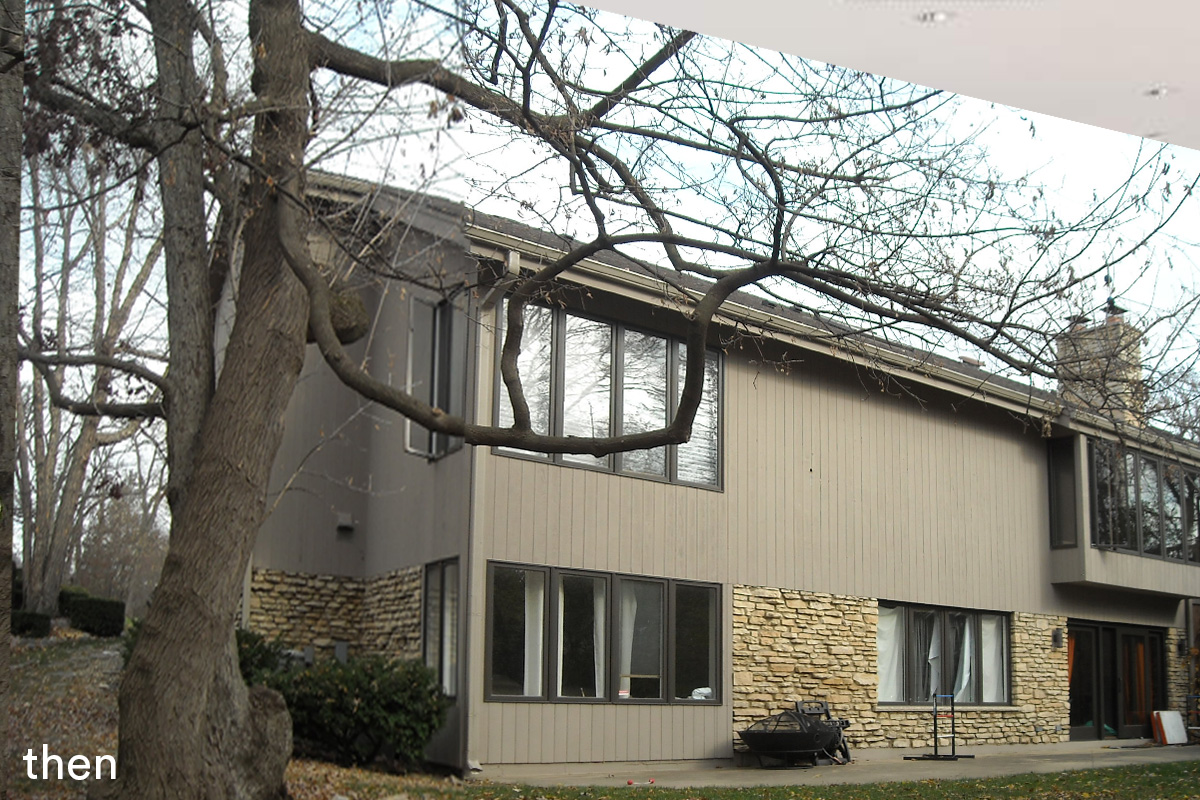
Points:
point(804, 736)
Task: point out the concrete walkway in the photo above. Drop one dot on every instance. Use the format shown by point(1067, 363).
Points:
point(867, 766)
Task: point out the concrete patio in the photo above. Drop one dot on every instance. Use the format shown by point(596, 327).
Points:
point(867, 766)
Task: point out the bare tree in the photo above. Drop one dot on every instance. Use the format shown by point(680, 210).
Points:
point(841, 193)
point(92, 260)
point(123, 542)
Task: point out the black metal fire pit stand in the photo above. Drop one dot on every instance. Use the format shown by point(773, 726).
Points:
point(936, 755)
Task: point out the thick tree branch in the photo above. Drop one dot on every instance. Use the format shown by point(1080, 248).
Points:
point(84, 408)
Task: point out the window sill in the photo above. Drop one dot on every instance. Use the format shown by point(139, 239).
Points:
point(881, 708)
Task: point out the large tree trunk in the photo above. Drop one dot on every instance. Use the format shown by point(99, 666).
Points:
point(12, 28)
point(224, 741)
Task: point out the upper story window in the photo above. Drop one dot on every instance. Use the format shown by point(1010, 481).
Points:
point(926, 651)
point(437, 363)
point(590, 378)
point(1143, 504)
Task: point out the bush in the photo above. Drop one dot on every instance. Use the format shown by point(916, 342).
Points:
point(257, 657)
point(67, 596)
point(98, 616)
point(367, 708)
point(30, 624)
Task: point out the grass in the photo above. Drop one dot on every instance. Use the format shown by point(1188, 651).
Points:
point(1173, 781)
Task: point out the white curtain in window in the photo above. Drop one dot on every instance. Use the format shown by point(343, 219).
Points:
point(964, 675)
point(994, 658)
point(890, 642)
point(449, 666)
point(599, 605)
point(628, 617)
point(935, 660)
point(535, 590)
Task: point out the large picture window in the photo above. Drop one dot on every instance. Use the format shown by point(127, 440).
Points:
point(1142, 503)
point(926, 651)
point(600, 637)
point(589, 378)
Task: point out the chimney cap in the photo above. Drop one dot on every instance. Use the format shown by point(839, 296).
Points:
point(1112, 309)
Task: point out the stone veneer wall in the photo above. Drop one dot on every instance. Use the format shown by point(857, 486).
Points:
point(391, 614)
point(1177, 670)
point(793, 645)
point(379, 615)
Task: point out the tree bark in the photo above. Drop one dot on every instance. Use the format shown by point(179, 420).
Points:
point(12, 34)
point(227, 741)
point(185, 237)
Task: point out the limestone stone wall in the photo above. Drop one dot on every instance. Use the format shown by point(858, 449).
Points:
point(375, 615)
point(791, 645)
point(391, 614)
point(1177, 670)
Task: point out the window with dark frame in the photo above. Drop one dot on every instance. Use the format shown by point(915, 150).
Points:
point(570, 635)
point(1142, 503)
point(590, 378)
point(929, 650)
point(437, 362)
point(440, 622)
point(1063, 521)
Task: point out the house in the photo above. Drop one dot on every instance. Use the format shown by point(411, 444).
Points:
point(865, 524)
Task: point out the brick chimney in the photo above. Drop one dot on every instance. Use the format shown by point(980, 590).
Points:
point(1100, 367)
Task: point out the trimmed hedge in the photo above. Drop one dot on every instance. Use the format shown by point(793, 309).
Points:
point(98, 616)
point(364, 709)
point(30, 624)
point(67, 596)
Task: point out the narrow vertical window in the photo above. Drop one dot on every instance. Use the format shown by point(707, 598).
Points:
point(644, 398)
point(1063, 524)
point(925, 655)
point(1127, 511)
point(534, 365)
point(1173, 499)
point(889, 643)
point(695, 642)
point(517, 620)
point(696, 460)
point(582, 634)
point(433, 616)
point(587, 383)
point(960, 649)
point(1149, 502)
point(419, 380)
point(441, 623)
point(641, 640)
point(1192, 516)
point(437, 355)
point(994, 657)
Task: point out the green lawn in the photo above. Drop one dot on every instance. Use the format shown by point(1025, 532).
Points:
point(1175, 781)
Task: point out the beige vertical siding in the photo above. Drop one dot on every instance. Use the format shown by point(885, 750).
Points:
point(830, 485)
